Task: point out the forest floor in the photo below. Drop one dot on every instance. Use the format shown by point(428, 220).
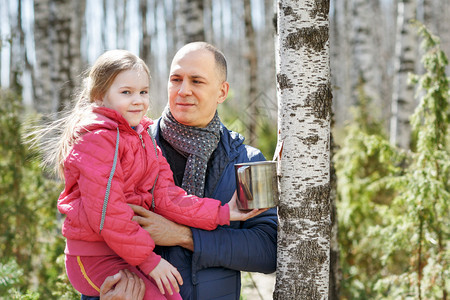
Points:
point(257, 286)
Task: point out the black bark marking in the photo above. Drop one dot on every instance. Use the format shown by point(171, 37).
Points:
point(284, 82)
point(311, 37)
point(315, 209)
point(322, 9)
point(320, 101)
point(288, 11)
point(310, 140)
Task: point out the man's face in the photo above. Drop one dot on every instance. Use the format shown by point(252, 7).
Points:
point(195, 87)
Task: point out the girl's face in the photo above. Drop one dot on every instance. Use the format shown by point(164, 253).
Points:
point(128, 95)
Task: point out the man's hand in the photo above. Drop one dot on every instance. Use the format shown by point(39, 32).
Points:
point(239, 215)
point(125, 285)
point(163, 232)
point(166, 275)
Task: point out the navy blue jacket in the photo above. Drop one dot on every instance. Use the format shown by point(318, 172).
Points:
point(212, 270)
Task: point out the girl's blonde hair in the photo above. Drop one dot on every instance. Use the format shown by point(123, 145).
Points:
point(95, 85)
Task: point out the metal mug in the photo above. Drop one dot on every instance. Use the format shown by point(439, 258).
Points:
point(257, 184)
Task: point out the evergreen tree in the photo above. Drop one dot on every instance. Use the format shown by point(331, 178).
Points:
point(31, 245)
point(394, 204)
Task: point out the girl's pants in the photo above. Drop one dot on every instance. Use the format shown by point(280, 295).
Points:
point(87, 273)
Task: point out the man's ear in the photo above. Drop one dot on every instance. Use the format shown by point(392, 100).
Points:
point(225, 87)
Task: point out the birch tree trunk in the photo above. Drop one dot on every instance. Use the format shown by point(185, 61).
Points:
point(43, 102)
point(403, 101)
point(58, 28)
point(17, 47)
point(252, 60)
point(171, 14)
point(189, 21)
point(304, 95)
point(67, 64)
point(341, 61)
point(145, 42)
point(366, 73)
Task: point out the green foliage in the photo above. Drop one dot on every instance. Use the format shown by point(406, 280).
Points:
point(236, 118)
point(10, 277)
point(393, 205)
point(30, 238)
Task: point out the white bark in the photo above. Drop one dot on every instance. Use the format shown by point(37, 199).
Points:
point(403, 102)
point(43, 51)
point(58, 28)
point(365, 71)
point(304, 95)
point(189, 21)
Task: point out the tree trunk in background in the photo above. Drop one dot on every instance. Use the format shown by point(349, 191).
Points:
point(208, 27)
point(104, 29)
point(16, 49)
point(120, 8)
point(189, 21)
point(239, 69)
point(68, 25)
point(145, 42)
point(171, 14)
point(252, 60)
point(266, 62)
point(43, 27)
point(341, 62)
point(403, 102)
point(58, 28)
point(365, 72)
point(304, 94)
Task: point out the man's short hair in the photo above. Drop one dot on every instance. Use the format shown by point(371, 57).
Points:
point(219, 57)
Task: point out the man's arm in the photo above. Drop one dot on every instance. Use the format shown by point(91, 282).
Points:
point(252, 247)
point(164, 232)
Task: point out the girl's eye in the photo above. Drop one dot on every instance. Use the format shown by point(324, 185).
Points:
point(126, 92)
point(144, 92)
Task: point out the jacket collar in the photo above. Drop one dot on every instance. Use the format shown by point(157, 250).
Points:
point(109, 118)
point(229, 140)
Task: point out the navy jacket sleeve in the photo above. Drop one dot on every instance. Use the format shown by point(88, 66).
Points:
point(252, 247)
point(244, 246)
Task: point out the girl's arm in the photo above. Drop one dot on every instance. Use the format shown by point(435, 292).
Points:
point(175, 204)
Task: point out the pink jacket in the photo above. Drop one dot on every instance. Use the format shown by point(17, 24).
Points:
point(87, 169)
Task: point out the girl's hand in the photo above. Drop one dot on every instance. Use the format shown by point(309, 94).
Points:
point(239, 215)
point(166, 276)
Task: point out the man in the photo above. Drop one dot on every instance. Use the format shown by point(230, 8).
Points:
point(202, 154)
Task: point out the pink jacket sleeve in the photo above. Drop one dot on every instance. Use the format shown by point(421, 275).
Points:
point(92, 159)
point(175, 204)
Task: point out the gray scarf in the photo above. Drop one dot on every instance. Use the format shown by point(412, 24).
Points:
point(195, 143)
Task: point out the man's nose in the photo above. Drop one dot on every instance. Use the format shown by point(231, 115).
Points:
point(185, 89)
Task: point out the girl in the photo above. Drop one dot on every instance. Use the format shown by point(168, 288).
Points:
point(109, 160)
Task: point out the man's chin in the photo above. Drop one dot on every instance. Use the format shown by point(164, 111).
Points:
point(184, 117)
